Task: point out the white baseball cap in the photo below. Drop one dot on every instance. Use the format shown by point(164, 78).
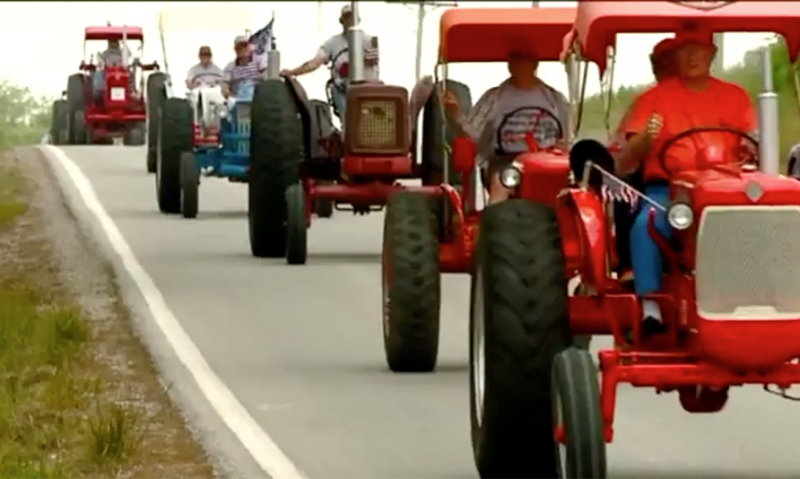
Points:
point(346, 10)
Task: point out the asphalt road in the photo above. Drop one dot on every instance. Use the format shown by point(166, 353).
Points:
point(300, 347)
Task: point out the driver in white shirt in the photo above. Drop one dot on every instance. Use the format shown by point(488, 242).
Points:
point(205, 71)
point(505, 115)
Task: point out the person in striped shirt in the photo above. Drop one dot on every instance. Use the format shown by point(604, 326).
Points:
point(247, 67)
point(335, 52)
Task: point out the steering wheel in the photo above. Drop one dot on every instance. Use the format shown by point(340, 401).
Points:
point(536, 115)
point(745, 156)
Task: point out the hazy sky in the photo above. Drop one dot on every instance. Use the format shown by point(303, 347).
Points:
point(43, 41)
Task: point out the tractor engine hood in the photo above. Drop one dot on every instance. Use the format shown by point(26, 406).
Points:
point(734, 187)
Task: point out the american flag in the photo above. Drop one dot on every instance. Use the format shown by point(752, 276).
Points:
point(371, 49)
point(614, 192)
point(263, 39)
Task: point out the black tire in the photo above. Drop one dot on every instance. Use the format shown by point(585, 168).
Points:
point(190, 185)
point(76, 105)
point(576, 407)
point(411, 284)
point(519, 308)
point(296, 228)
point(433, 151)
point(276, 150)
point(156, 96)
point(135, 136)
point(175, 138)
point(59, 124)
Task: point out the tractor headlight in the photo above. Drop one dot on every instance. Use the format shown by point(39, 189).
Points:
point(510, 176)
point(680, 216)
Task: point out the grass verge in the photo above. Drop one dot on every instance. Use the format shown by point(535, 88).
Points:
point(67, 407)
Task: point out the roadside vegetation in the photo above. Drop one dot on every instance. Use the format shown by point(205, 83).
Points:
point(79, 396)
point(748, 76)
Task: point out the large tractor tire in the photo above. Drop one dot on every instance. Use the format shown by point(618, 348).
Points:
point(76, 107)
point(434, 143)
point(276, 150)
point(518, 325)
point(135, 136)
point(59, 124)
point(296, 225)
point(190, 185)
point(411, 284)
point(175, 138)
point(156, 95)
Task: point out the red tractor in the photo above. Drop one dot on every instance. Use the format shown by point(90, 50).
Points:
point(298, 160)
point(730, 279)
point(106, 101)
point(421, 240)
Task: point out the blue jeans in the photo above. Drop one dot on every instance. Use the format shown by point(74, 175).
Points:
point(645, 255)
point(98, 83)
point(339, 99)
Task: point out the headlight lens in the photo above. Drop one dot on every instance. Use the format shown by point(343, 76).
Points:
point(510, 176)
point(680, 216)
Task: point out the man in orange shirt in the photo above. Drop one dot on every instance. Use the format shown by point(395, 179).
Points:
point(663, 64)
point(693, 99)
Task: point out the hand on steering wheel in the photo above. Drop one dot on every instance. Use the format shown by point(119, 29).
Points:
point(746, 151)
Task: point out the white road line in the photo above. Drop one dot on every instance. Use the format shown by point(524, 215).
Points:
point(263, 449)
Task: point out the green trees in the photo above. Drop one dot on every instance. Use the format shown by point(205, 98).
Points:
point(24, 118)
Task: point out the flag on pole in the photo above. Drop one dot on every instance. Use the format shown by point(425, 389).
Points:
point(263, 39)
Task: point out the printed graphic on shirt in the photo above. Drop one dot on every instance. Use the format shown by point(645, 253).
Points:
point(527, 122)
point(337, 52)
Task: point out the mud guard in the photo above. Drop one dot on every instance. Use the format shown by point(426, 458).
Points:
point(304, 108)
point(588, 215)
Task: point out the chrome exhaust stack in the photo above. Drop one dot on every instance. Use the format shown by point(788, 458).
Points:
point(355, 46)
point(768, 128)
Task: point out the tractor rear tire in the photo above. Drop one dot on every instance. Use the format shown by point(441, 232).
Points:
point(296, 226)
point(518, 325)
point(190, 185)
point(59, 132)
point(276, 150)
point(411, 284)
point(174, 138)
point(156, 95)
point(76, 106)
point(433, 141)
point(576, 400)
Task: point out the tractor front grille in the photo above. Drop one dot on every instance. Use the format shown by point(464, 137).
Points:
point(243, 128)
point(377, 127)
point(748, 262)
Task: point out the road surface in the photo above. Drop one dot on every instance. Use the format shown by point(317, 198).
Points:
point(300, 348)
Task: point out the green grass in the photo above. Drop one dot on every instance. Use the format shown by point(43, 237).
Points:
point(55, 420)
point(748, 77)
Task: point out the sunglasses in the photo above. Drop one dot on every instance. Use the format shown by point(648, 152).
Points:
point(205, 55)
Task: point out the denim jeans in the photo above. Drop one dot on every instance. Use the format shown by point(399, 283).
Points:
point(98, 83)
point(339, 99)
point(645, 255)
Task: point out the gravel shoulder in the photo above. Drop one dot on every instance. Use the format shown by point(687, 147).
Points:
point(89, 402)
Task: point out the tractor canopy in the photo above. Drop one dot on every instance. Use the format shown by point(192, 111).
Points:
point(491, 34)
point(598, 23)
point(113, 33)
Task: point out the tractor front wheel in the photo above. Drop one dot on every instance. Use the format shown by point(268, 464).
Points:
point(190, 185)
point(156, 95)
point(411, 284)
point(296, 226)
point(76, 106)
point(518, 325)
point(174, 139)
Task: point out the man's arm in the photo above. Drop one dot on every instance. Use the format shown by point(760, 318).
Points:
point(472, 124)
point(322, 57)
point(225, 84)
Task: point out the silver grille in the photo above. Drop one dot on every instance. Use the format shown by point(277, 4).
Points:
point(748, 263)
point(243, 127)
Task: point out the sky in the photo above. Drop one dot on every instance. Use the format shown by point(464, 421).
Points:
point(44, 41)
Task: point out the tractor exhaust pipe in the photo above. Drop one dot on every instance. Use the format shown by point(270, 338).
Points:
point(355, 46)
point(768, 133)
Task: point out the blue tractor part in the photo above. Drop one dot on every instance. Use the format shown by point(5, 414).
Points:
point(199, 139)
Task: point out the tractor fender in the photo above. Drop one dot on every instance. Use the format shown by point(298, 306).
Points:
point(584, 233)
point(304, 108)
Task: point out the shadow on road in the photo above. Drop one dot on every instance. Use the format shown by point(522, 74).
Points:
point(343, 258)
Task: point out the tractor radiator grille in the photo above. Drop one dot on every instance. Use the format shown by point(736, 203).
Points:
point(748, 262)
point(377, 125)
point(243, 128)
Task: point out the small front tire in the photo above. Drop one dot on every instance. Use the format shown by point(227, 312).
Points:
point(576, 411)
point(190, 185)
point(296, 226)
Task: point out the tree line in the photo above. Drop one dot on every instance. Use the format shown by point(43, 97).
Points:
point(24, 117)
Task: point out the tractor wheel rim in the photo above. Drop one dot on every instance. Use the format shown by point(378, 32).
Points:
point(478, 356)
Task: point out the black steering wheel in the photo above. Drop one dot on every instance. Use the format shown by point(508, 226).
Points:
point(536, 114)
point(746, 139)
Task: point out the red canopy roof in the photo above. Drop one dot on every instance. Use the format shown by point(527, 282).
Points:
point(598, 22)
point(490, 34)
point(113, 33)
